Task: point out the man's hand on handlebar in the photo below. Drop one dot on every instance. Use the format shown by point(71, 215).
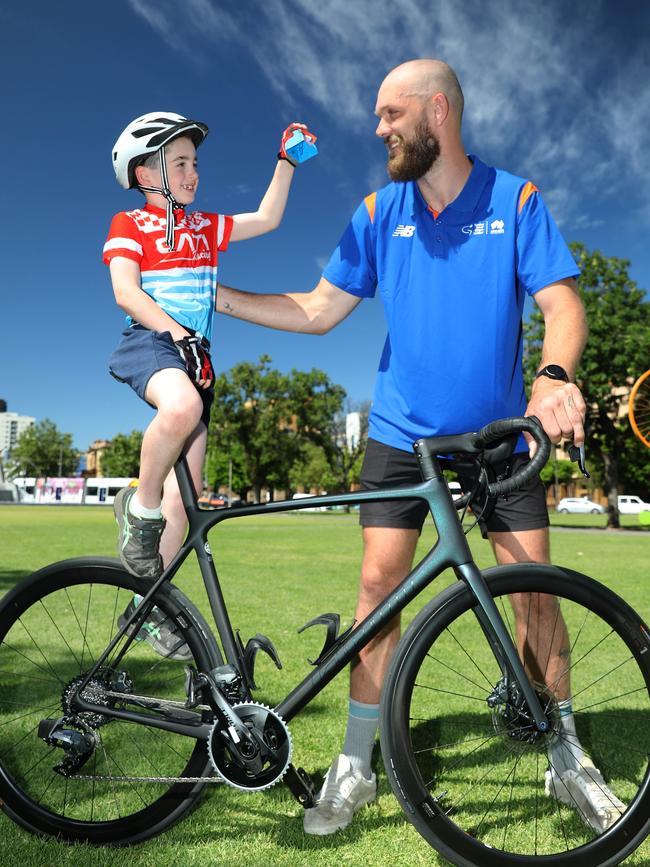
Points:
point(560, 408)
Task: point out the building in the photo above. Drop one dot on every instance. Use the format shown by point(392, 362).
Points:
point(11, 427)
point(94, 458)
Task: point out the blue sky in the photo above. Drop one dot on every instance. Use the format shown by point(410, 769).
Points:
point(557, 92)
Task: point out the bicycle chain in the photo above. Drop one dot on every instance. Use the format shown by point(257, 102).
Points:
point(146, 700)
point(108, 778)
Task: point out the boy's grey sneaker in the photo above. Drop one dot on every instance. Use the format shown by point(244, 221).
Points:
point(587, 792)
point(139, 538)
point(344, 792)
point(156, 631)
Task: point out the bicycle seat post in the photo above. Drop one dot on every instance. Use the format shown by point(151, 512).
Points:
point(185, 484)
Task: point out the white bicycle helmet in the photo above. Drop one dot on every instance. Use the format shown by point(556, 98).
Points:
point(147, 134)
point(144, 136)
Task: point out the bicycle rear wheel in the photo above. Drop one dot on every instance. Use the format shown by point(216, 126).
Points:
point(470, 777)
point(53, 627)
point(639, 408)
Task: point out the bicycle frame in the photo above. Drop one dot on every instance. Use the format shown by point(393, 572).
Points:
point(450, 551)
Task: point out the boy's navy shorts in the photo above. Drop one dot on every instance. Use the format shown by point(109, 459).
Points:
point(385, 466)
point(141, 353)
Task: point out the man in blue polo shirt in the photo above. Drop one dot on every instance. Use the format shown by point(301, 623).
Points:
point(453, 246)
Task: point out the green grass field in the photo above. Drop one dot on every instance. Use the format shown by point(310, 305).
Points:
point(277, 573)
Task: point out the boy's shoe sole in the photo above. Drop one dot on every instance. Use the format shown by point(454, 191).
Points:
point(156, 632)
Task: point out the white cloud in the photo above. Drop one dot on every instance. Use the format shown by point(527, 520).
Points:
point(545, 98)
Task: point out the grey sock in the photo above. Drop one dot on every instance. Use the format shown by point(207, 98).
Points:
point(566, 752)
point(363, 722)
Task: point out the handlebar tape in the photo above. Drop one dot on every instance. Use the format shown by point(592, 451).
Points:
point(497, 429)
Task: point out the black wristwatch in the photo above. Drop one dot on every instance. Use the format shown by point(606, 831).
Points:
point(553, 371)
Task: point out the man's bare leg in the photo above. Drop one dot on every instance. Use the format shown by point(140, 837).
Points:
point(542, 637)
point(350, 783)
point(387, 559)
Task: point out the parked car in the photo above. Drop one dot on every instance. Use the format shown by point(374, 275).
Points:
point(579, 505)
point(212, 501)
point(628, 504)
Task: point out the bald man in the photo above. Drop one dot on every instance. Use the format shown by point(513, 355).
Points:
point(453, 246)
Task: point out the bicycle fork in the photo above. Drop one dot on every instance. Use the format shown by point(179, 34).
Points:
point(501, 643)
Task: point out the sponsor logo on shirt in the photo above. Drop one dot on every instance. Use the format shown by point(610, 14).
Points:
point(195, 242)
point(486, 227)
point(403, 231)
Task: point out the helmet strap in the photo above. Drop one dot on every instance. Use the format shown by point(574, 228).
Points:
point(171, 201)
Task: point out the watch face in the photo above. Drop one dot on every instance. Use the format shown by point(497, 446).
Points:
point(554, 371)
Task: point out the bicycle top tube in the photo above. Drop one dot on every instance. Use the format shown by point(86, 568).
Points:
point(426, 449)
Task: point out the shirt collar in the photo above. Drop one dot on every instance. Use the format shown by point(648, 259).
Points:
point(162, 212)
point(468, 198)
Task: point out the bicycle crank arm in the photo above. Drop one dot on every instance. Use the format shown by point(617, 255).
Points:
point(301, 786)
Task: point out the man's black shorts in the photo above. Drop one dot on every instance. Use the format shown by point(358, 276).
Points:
point(385, 466)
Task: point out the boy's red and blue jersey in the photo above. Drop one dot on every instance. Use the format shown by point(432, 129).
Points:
point(183, 282)
point(453, 286)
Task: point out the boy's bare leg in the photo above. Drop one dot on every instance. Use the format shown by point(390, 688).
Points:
point(172, 505)
point(179, 408)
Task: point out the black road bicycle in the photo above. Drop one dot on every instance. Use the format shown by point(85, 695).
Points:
point(102, 740)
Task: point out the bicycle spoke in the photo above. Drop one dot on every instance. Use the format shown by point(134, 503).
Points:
point(471, 659)
point(442, 663)
point(82, 631)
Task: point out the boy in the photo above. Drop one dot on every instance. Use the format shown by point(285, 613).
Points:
point(163, 266)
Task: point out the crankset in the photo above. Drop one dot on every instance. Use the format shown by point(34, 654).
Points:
point(255, 763)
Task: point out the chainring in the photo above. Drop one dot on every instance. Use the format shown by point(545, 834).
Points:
point(275, 735)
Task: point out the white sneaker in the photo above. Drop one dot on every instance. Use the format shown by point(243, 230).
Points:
point(344, 792)
point(586, 791)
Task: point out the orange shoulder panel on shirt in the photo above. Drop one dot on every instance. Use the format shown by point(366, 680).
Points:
point(370, 205)
point(525, 194)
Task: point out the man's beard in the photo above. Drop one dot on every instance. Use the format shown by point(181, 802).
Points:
point(415, 157)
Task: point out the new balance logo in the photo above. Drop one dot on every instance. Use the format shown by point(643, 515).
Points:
point(404, 231)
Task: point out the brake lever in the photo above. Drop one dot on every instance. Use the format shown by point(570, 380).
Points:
point(577, 454)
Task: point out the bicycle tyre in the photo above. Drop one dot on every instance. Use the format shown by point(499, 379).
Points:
point(639, 408)
point(473, 795)
point(53, 626)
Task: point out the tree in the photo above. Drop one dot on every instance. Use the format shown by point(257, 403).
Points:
point(122, 455)
point(269, 416)
point(225, 462)
point(312, 470)
point(617, 350)
point(43, 450)
point(347, 448)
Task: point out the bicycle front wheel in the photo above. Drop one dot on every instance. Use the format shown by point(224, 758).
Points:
point(53, 628)
point(471, 772)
